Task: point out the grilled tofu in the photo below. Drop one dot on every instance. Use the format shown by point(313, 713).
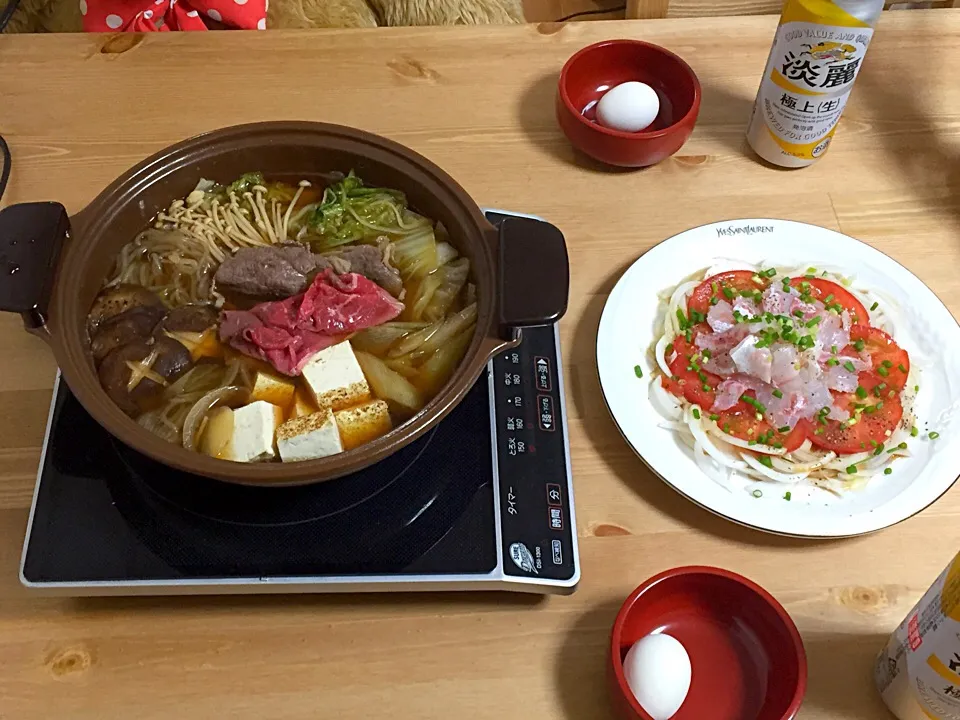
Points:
point(363, 423)
point(335, 378)
point(254, 427)
point(272, 388)
point(309, 437)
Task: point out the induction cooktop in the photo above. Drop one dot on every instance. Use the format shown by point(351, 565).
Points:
point(483, 501)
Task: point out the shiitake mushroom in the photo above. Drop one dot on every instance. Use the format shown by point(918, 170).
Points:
point(118, 299)
point(138, 323)
point(135, 374)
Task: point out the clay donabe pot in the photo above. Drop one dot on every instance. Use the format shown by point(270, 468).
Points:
point(52, 268)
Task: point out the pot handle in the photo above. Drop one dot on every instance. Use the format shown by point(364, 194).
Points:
point(31, 237)
point(534, 273)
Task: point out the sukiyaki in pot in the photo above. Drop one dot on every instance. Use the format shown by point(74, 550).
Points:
point(278, 303)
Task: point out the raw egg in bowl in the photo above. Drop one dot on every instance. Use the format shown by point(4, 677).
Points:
point(627, 103)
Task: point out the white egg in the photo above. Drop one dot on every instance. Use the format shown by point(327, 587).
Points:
point(629, 107)
point(658, 671)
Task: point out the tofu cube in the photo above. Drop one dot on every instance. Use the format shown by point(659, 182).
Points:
point(310, 437)
point(273, 388)
point(363, 423)
point(335, 379)
point(254, 428)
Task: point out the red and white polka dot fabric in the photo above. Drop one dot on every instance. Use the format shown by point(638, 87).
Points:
point(163, 15)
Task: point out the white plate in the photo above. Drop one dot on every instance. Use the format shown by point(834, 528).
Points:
point(924, 327)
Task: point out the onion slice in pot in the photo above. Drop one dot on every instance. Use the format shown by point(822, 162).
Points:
point(230, 395)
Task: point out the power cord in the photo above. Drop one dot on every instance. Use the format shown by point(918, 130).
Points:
point(7, 161)
point(8, 13)
point(598, 11)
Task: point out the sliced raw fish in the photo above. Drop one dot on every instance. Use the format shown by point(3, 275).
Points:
point(752, 360)
point(720, 341)
point(720, 364)
point(720, 317)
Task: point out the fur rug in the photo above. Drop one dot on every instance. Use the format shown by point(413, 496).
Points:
point(64, 15)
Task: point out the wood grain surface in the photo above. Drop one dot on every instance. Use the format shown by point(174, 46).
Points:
point(80, 109)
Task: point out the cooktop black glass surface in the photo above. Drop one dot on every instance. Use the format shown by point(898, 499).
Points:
point(482, 501)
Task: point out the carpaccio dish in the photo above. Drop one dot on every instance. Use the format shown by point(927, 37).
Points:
point(787, 376)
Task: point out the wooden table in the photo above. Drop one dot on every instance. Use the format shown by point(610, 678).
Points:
point(80, 109)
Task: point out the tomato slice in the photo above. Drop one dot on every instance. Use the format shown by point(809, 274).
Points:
point(890, 361)
point(687, 379)
point(871, 427)
point(735, 282)
point(821, 289)
point(741, 422)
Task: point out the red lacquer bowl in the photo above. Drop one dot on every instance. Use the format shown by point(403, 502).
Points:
point(595, 69)
point(747, 657)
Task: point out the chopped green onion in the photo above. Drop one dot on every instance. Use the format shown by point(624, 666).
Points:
point(933, 435)
point(874, 306)
point(726, 427)
point(859, 345)
point(688, 335)
point(784, 429)
point(833, 361)
point(696, 414)
point(887, 364)
point(849, 366)
point(901, 368)
point(765, 460)
point(777, 445)
point(913, 431)
point(777, 393)
point(851, 469)
point(833, 349)
point(870, 409)
point(714, 417)
point(798, 313)
point(828, 298)
point(730, 294)
point(751, 443)
point(761, 408)
point(813, 321)
point(714, 287)
point(684, 323)
point(916, 388)
point(787, 495)
point(811, 270)
point(638, 371)
point(887, 471)
point(882, 371)
point(879, 449)
point(757, 494)
point(669, 348)
point(769, 273)
point(861, 392)
point(714, 299)
point(706, 387)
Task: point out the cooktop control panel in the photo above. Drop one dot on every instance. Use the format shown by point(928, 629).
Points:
point(536, 518)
